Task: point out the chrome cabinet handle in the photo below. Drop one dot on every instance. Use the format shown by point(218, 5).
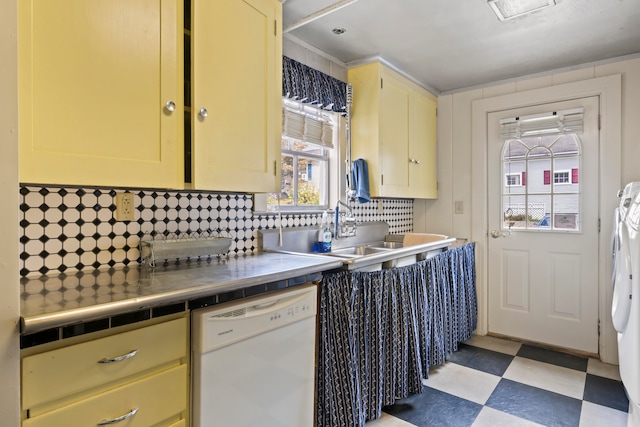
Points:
point(120, 418)
point(203, 112)
point(414, 161)
point(170, 106)
point(119, 358)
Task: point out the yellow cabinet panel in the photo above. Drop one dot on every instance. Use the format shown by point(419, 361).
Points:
point(57, 374)
point(237, 75)
point(395, 104)
point(394, 129)
point(423, 172)
point(159, 397)
point(94, 79)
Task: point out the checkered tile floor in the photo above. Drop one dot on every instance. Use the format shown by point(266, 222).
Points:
point(492, 382)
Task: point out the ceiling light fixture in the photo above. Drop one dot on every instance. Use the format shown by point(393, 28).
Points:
point(338, 31)
point(507, 9)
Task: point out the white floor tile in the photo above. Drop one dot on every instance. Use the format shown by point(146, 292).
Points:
point(593, 415)
point(489, 417)
point(466, 383)
point(387, 420)
point(606, 370)
point(495, 344)
point(546, 376)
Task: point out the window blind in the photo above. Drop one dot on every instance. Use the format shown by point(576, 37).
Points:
point(552, 123)
point(303, 123)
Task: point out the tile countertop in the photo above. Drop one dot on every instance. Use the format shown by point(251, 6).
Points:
point(56, 301)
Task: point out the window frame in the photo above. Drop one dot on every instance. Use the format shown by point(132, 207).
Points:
point(556, 174)
point(510, 175)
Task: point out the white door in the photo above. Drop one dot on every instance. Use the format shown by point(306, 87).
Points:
point(543, 228)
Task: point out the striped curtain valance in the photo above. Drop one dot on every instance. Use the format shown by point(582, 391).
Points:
point(309, 85)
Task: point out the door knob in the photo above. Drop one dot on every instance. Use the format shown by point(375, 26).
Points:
point(203, 112)
point(495, 234)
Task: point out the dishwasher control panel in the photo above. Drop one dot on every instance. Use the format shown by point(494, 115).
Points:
point(224, 324)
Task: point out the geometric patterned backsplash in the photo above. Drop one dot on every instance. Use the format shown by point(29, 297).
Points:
point(67, 229)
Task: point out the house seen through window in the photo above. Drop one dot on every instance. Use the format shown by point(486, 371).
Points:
point(541, 189)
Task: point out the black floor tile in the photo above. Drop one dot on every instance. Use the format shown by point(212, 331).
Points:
point(433, 408)
point(534, 404)
point(606, 392)
point(554, 357)
point(481, 359)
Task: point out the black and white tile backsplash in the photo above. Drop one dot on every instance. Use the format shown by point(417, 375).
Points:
point(67, 229)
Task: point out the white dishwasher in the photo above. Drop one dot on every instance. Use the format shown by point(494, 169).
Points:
point(254, 361)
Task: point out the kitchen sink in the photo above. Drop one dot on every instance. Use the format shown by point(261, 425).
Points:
point(386, 245)
point(373, 248)
point(356, 251)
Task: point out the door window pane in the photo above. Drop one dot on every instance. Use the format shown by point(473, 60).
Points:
point(541, 189)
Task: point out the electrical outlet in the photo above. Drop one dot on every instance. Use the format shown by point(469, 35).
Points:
point(458, 207)
point(124, 206)
point(380, 207)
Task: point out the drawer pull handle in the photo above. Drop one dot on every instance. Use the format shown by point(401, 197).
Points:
point(119, 358)
point(119, 419)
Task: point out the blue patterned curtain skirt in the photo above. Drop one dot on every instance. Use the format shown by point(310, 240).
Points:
point(381, 331)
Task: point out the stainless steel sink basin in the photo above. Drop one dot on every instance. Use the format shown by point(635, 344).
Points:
point(387, 245)
point(373, 248)
point(358, 250)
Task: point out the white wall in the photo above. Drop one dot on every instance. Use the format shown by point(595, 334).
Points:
point(454, 141)
point(455, 163)
point(314, 58)
point(9, 276)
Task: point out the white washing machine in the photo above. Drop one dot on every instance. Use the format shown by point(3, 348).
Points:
point(625, 311)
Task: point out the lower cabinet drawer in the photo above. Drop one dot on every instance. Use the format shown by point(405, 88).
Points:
point(150, 400)
point(70, 371)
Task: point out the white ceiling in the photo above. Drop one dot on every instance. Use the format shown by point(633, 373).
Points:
point(451, 44)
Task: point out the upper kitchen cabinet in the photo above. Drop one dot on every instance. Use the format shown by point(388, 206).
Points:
point(101, 92)
point(236, 89)
point(393, 127)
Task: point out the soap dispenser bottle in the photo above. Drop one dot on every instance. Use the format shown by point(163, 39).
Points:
point(324, 235)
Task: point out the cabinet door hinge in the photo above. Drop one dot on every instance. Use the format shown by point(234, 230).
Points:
point(275, 168)
point(381, 83)
point(599, 122)
point(275, 27)
point(599, 222)
point(381, 179)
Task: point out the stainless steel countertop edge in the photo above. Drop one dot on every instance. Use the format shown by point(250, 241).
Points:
point(40, 322)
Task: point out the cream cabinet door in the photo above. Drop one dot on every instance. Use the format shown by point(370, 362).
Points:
point(394, 129)
point(237, 75)
point(95, 77)
point(423, 180)
point(395, 107)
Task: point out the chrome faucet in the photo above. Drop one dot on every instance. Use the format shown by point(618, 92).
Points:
point(345, 222)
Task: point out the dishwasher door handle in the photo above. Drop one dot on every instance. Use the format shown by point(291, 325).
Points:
point(266, 305)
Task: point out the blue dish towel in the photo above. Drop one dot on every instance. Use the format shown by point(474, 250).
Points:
point(360, 180)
